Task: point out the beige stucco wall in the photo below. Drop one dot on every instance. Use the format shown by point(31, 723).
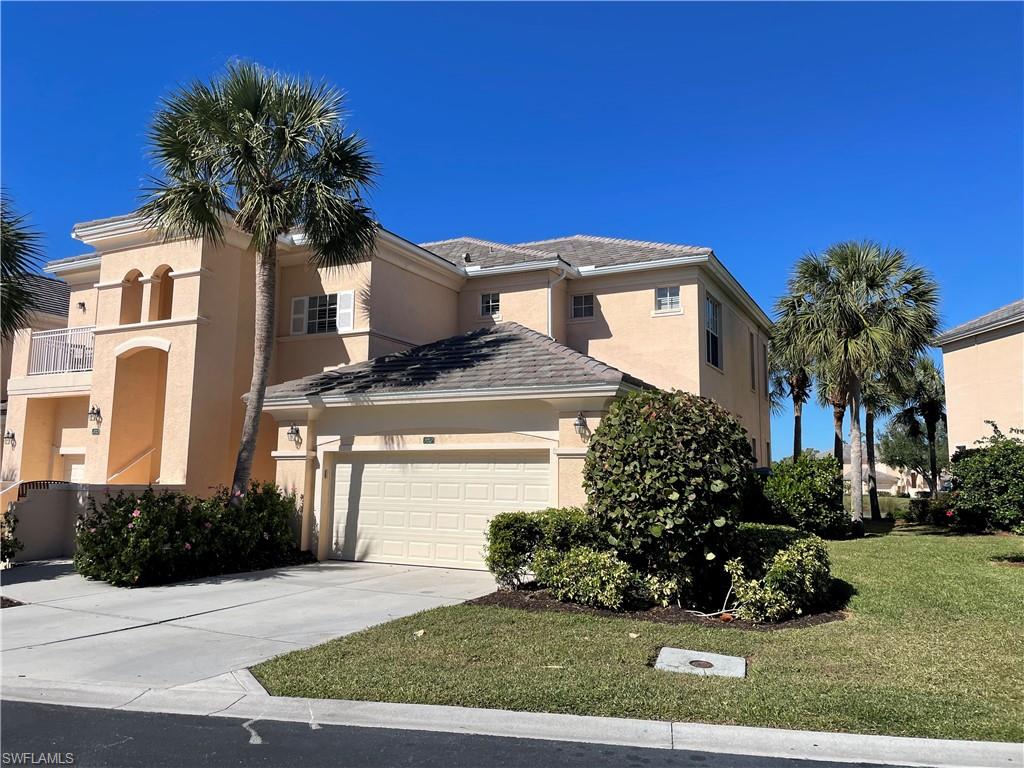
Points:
point(524, 300)
point(984, 378)
point(409, 304)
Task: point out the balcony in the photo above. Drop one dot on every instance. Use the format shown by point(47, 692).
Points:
point(65, 350)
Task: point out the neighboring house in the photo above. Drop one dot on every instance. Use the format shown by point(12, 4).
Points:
point(983, 365)
point(51, 300)
point(418, 392)
point(889, 480)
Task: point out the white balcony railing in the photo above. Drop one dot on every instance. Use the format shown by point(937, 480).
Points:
point(65, 350)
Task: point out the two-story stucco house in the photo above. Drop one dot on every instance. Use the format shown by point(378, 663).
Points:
point(417, 393)
point(983, 367)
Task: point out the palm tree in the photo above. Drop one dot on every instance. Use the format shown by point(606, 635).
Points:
point(863, 306)
point(790, 367)
point(270, 154)
point(880, 395)
point(21, 253)
point(925, 401)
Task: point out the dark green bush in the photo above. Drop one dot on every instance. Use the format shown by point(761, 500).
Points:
point(809, 494)
point(665, 474)
point(599, 578)
point(514, 537)
point(10, 544)
point(989, 483)
point(755, 544)
point(797, 580)
point(155, 538)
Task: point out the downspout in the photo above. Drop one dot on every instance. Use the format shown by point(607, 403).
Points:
point(563, 274)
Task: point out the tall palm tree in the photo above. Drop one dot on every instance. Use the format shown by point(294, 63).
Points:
point(790, 367)
point(880, 395)
point(270, 154)
point(20, 254)
point(925, 402)
point(863, 305)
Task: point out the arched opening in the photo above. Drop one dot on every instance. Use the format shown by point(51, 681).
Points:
point(131, 298)
point(161, 297)
point(137, 416)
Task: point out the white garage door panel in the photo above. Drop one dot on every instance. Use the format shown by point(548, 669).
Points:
point(413, 508)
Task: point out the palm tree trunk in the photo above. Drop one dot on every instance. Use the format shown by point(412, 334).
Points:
point(263, 346)
point(856, 457)
point(838, 411)
point(933, 460)
point(869, 436)
point(798, 419)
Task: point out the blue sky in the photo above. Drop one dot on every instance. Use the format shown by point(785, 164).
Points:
point(760, 130)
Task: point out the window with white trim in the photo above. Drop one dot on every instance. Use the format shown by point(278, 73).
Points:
point(713, 331)
point(582, 306)
point(490, 304)
point(753, 448)
point(328, 313)
point(753, 362)
point(764, 365)
point(666, 299)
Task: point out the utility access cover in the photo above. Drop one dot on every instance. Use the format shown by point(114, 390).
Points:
point(700, 663)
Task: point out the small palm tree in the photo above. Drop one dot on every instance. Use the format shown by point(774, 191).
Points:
point(924, 402)
point(863, 307)
point(790, 367)
point(20, 254)
point(269, 153)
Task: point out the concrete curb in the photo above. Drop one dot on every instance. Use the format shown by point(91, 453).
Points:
point(252, 703)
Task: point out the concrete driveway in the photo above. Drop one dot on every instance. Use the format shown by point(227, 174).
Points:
point(196, 634)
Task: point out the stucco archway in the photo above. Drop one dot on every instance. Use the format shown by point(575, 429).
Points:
point(137, 416)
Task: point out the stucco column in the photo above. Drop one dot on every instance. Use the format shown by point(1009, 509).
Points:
point(147, 312)
point(309, 485)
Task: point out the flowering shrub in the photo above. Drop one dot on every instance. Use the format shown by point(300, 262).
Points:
point(665, 474)
point(155, 538)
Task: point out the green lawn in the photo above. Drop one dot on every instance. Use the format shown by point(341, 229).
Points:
point(933, 647)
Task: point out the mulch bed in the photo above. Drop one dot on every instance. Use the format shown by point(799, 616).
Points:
point(7, 602)
point(541, 600)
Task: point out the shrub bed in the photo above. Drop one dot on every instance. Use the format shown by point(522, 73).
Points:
point(796, 580)
point(808, 493)
point(989, 484)
point(155, 538)
point(513, 539)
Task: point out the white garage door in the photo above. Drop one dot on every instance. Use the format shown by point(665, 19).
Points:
point(431, 508)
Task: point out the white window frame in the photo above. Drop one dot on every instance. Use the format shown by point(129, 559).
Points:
point(344, 313)
point(572, 306)
point(490, 298)
point(713, 327)
point(669, 304)
point(753, 362)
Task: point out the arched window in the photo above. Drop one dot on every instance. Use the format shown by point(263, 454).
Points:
point(161, 297)
point(131, 298)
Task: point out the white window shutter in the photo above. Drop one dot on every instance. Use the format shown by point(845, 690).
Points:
point(346, 310)
point(298, 315)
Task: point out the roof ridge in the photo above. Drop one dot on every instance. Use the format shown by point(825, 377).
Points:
point(491, 244)
point(623, 241)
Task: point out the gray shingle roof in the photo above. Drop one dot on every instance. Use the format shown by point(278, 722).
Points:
point(996, 318)
point(577, 250)
point(504, 356)
point(51, 296)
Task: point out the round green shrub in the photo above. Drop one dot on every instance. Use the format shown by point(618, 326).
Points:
point(989, 483)
point(797, 580)
point(514, 537)
point(809, 493)
point(665, 473)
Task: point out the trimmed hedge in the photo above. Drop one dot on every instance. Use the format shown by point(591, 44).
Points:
point(513, 538)
point(796, 580)
point(156, 538)
point(809, 493)
point(989, 483)
point(756, 544)
point(665, 474)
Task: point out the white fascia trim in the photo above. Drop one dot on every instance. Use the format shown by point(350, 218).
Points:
point(423, 253)
point(87, 231)
point(739, 292)
point(637, 266)
point(442, 396)
point(952, 336)
point(528, 266)
point(60, 266)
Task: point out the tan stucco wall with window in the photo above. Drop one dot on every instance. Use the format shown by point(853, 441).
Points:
point(984, 377)
point(524, 300)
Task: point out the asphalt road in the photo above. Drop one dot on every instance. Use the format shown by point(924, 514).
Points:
point(102, 737)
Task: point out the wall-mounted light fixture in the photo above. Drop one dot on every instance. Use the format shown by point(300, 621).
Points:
point(9, 438)
point(293, 436)
point(580, 425)
point(94, 414)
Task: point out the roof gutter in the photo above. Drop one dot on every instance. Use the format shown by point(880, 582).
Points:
point(953, 335)
point(526, 266)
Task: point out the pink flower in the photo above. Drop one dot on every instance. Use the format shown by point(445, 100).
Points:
point(208, 525)
point(131, 525)
point(949, 513)
point(92, 530)
point(187, 545)
point(137, 513)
